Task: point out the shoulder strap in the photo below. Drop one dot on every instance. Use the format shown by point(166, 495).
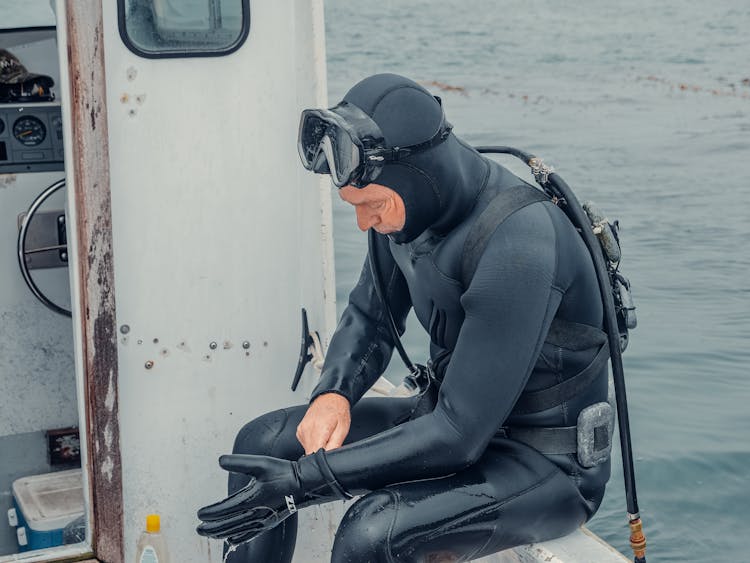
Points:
point(499, 209)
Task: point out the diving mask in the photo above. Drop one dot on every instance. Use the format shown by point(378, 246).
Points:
point(346, 143)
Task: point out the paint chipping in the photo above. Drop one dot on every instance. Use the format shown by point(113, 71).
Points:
point(131, 73)
point(125, 98)
point(109, 400)
point(140, 99)
point(106, 468)
point(108, 436)
point(7, 180)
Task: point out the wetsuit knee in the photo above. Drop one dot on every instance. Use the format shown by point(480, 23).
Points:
point(364, 532)
point(261, 435)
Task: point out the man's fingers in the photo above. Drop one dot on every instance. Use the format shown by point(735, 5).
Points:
point(233, 504)
point(239, 463)
point(337, 437)
point(315, 435)
point(313, 445)
point(239, 524)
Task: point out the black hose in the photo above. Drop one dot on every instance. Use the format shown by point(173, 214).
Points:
point(378, 283)
point(518, 153)
point(581, 220)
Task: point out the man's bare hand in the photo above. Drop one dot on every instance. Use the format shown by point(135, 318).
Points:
point(326, 423)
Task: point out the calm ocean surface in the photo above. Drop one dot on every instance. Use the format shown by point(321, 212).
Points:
point(643, 107)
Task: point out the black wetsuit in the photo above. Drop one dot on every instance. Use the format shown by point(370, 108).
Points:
point(449, 481)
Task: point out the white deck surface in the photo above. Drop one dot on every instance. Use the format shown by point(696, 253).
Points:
point(582, 546)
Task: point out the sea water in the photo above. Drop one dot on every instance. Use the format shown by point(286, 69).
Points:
point(644, 108)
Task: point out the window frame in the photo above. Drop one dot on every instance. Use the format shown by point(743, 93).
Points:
point(182, 53)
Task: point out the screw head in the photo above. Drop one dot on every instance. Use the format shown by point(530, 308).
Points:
point(213, 345)
point(149, 364)
point(124, 329)
point(246, 345)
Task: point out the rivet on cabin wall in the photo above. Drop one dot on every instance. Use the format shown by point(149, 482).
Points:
point(149, 364)
point(124, 329)
point(246, 345)
point(131, 73)
point(213, 345)
point(156, 340)
point(140, 99)
point(140, 341)
point(132, 112)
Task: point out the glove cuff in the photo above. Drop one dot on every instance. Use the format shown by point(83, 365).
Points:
point(317, 479)
point(330, 478)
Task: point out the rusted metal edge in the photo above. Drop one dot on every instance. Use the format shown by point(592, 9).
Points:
point(95, 262)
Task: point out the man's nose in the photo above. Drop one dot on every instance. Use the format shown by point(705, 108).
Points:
point(366, 219)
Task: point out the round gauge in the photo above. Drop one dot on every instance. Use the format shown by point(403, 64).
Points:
point(29, 131)
point(2, 126)
point(57, 126)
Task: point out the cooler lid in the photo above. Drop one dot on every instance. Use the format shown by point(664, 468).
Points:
point(50, 501)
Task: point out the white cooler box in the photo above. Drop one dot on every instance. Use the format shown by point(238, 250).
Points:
point(44, 505)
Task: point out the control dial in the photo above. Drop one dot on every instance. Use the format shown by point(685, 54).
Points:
point(29, 131)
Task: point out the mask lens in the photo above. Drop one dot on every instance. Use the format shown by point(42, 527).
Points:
point(320, 164)
point(342, 155)
point(311, 131)
point(338, 175)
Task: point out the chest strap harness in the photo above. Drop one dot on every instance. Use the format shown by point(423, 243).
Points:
point(590, 438)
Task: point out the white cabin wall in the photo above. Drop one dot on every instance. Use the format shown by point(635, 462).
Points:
point(219, 236)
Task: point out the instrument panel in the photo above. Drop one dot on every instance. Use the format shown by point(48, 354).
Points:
point(31, 138)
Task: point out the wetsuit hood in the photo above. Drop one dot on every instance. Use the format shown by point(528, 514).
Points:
point(439, 185)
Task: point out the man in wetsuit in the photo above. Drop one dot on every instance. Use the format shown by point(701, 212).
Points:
point(485, 469)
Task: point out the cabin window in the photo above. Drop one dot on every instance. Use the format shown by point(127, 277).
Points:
point(184, 28)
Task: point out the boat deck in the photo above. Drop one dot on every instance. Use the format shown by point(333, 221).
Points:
point(582, 546)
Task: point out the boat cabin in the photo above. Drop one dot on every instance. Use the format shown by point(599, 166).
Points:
point(160, 241)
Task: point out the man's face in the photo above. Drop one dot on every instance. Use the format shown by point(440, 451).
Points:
point(376, 206)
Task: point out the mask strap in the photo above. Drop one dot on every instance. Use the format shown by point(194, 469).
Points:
point(397, 153)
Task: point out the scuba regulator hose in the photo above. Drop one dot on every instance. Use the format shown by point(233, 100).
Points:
point(555, 186)
point(416, 371)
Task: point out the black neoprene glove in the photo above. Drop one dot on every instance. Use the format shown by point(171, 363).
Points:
point(278, 488)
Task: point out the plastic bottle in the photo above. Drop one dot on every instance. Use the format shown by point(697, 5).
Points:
point(152, 546)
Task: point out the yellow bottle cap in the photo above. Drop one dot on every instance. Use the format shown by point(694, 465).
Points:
point(153, 523)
